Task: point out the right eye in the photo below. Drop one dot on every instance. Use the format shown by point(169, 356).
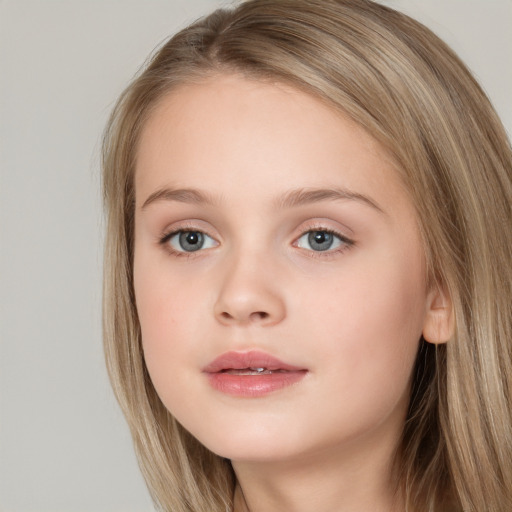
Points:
point(190, 241)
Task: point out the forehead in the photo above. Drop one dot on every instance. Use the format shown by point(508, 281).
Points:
point(229, 129)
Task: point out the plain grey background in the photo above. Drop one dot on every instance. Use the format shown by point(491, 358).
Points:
point(64, 446)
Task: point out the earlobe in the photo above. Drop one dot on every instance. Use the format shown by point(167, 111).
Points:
point(439, 322)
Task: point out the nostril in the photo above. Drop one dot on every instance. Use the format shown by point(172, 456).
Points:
point(259, 315)
point(255, 316)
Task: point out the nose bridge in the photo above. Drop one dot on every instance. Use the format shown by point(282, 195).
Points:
point(248, 291)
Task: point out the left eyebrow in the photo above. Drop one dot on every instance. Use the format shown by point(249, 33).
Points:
point(304, 196)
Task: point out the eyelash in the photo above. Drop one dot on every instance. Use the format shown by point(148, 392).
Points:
point(166, 237)
point(347, 243)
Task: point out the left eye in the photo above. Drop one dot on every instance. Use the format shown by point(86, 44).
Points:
point(320, 241)
point(191, 241)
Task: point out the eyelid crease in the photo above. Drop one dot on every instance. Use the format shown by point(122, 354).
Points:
point(309, 227)
point(166, 235)
point(319, 229)
point(165, 238)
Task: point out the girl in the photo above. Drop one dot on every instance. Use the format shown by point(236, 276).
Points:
point(307, 275)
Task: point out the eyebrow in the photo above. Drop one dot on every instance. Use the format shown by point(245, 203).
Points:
point(304, 196)
point(292, 199)
point(182, 195)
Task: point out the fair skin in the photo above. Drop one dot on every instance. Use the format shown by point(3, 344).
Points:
point(282, 228)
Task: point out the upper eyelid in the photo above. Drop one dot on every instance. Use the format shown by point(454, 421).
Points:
point(305, 227)
point(178, 227)
point(342, 238)
point(322, 225)
point(324, 230)
point(174, 232)
point(326, 224)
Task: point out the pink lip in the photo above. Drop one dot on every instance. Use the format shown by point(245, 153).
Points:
point(279, 374)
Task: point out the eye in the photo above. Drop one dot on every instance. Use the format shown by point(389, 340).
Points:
point(189, 241)
point(322, 240)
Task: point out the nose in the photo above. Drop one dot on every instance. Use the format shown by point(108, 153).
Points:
point(249, 295)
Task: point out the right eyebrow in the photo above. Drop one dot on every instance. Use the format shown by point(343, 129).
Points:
point(182, 195)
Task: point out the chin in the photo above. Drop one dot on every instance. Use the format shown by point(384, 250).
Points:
point(258, 444)
point(256, 453)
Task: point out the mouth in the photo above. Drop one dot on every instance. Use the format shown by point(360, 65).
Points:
point(251, 371)
point(251, 374)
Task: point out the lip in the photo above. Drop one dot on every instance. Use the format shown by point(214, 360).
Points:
point(278, 374)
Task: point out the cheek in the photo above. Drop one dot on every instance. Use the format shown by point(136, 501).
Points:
point(165, 307)
point(370, 323)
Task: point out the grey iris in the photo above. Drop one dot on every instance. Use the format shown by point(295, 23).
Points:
point(320, 240)
point(191, 241)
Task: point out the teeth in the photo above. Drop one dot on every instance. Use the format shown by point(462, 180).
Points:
point(250, 371)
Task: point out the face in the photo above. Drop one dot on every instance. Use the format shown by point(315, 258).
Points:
point(279, 273)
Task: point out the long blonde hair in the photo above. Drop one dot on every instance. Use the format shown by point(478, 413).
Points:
point(412, 93)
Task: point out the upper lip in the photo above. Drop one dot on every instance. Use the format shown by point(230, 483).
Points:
point(252, 359)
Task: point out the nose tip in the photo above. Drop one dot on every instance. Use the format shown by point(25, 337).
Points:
point(230, 314)
point(249, 302)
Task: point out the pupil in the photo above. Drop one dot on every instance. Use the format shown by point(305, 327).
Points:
point(191, 240)
point(320, 240)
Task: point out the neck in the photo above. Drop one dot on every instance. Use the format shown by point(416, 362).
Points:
point(346, 480)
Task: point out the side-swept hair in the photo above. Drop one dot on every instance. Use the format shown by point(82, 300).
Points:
point(412, 93)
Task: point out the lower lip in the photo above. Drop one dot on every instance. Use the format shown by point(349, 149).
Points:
point(254, 385)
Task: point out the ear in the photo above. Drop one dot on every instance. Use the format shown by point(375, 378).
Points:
point(439, 324)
